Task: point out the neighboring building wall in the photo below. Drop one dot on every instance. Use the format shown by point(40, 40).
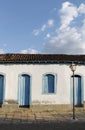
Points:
point(36, 71)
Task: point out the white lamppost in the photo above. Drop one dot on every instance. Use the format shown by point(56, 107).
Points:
point(73, 68)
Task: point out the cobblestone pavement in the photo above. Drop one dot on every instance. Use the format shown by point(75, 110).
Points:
point(28, 115)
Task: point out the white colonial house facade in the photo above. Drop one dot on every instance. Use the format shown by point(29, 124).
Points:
point(40, 79)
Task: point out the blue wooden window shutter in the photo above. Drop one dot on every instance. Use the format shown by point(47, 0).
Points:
point(48, 83)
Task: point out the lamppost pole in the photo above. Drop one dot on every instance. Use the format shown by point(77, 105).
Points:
point(73, 98)
point(73, 68)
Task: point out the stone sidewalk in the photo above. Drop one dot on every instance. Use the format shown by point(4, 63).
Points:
point(28, 115)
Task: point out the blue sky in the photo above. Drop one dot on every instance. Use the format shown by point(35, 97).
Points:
point(42, 26)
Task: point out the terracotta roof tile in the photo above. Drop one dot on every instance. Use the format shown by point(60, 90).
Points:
point(35, 58)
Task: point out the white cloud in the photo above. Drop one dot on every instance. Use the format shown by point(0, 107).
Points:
point(43, 27)
point(48, 35)
point(81, 9)
point(2, 51)
point(49, 24)
point(68, 12)
point(83, 34)
point(36, 32)
point(68, 39)
point(29, 51)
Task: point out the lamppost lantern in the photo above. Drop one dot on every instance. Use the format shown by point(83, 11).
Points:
point(73, 68)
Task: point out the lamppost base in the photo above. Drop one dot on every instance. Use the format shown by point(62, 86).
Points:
point(74, 120)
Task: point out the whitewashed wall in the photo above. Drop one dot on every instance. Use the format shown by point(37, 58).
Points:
point(63, 72)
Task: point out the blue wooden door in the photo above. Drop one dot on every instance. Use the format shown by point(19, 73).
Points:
point(1, 88)
point(24, 90)
point(78, 90)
